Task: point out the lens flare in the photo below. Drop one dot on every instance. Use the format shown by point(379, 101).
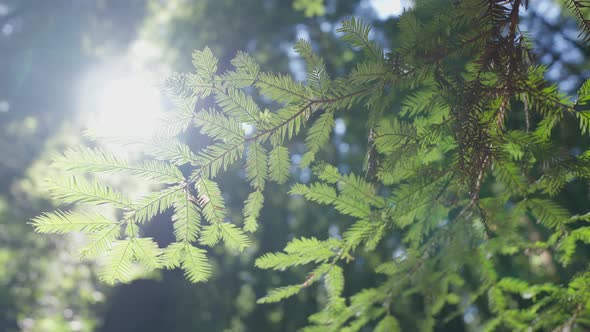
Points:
point(121, 105)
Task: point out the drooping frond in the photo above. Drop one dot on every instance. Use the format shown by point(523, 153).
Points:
point(147, 253)
point(153, 204)
point(215, 158)
point(298, 252)
point(334, 281)
point(246, 71)
point(356, 32)
point(186, 219)
point(218, 126)
point(317, 75)
point(388, 324)
point(367, 72)
point(325, 194)
point(317, 137)
point(279, 164)
point(191, 259)
point(170, 150)
point(252, 209)
point(281, 88)
point(173, 255)
point(233, 236)
point(578, 7)
point(90, 161)
point(198, 85)
point(510, 175)
point(205, 63)
point(239, 106)
point(211, 201)
point(257, 165)
point(317, 192)
point(86, 160)
point(118, 266)
point(568, 245)
point(582, 104)
point(392, 135)
point(61, 222)
point(349, 185)
point(101, 242)
point(210, 235)
point(280, 293)
point(128, 258)
point(195, 264)
point(77, 189)
point(364, 231)
point(158, 171)
point(287, 122)
point(548, 212)
point(421, 102)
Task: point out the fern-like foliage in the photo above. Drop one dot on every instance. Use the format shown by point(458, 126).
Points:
point(63, 222)
point(578, 7)
point(457, 189)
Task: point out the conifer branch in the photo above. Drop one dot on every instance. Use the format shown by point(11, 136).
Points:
point(576, 6)
point(426, 173)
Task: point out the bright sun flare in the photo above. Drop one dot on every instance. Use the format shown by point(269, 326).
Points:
point(121, 104)
point(389, 8)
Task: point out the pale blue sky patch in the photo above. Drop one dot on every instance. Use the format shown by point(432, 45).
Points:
point(389, 8)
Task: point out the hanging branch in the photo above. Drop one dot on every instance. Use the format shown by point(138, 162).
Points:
point(577, 6)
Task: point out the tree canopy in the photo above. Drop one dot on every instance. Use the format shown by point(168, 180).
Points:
point(466, 208)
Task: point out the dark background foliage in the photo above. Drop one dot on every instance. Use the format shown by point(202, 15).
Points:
point(46, 50)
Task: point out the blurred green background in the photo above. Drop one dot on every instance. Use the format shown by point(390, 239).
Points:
point(69, 65)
